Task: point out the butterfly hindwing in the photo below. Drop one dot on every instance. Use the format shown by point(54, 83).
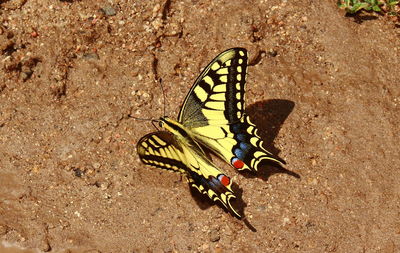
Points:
point(214, 112)
point(163, 150)
point(237, 143)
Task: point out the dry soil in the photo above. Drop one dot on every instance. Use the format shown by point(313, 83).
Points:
point(323, 88)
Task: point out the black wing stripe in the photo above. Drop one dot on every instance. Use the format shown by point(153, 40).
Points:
point(165, 163)
point(232, 89)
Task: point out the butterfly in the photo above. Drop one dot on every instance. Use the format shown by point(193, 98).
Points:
point(212, 116)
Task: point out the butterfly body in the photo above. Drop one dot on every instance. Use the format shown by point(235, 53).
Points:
point(211, 116)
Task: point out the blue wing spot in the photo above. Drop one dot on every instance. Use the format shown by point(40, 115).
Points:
point(198, 179)
point(236, 128)
point(239, 153)
point(213, 183)
point(244, 146)
point(241, 137)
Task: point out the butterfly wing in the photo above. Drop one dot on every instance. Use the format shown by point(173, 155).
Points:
point(214, 112)
point(161, 149)
point(217, 96)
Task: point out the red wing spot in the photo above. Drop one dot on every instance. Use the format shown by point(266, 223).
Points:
point(224, 180)
point(238, 164)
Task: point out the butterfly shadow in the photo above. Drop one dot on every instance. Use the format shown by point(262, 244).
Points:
point(269, 116)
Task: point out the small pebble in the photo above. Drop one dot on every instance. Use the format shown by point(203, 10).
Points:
point(286, 221)
point(204, 247)
point(272, 53)
point(78, 172)
point(24, 76)
point(96, 165)
point(214, 235)
point(45, 246)
point(104, 186)
point(89, 56)
point(313, 162)
point(109, 11)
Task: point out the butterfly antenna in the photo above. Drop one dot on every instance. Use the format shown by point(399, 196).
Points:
point(154, 125)
point(163, 93)
point(152, 119)
point(146, 119)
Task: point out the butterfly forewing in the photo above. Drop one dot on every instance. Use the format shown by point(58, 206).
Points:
point(163, 150)
point(217, 97)
point(214, 112)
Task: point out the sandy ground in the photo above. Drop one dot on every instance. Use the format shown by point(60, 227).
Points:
point(323, 89)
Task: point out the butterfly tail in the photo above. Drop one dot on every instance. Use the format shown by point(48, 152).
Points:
point(249, 152)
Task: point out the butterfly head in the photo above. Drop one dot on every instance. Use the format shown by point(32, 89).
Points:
point(163, 121)
point(173, 126)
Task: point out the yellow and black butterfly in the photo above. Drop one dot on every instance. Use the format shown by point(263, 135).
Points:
point(212, 115)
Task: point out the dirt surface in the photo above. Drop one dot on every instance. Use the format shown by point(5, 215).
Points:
point(323, 89)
